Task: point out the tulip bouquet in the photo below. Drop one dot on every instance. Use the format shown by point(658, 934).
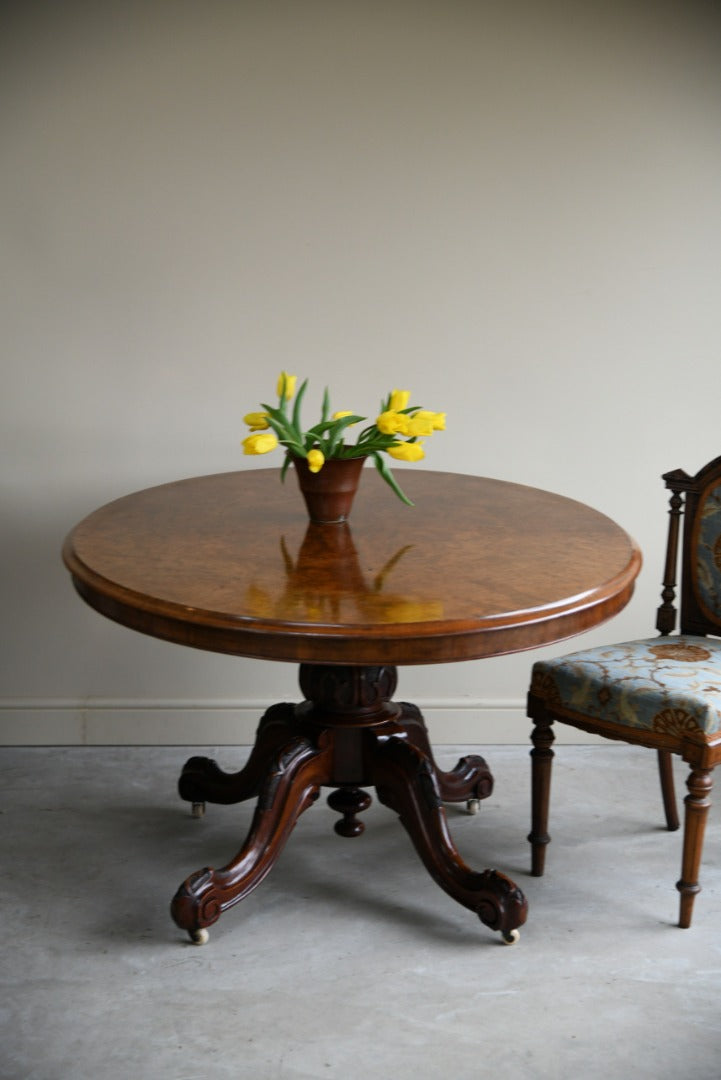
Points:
point(396, 431)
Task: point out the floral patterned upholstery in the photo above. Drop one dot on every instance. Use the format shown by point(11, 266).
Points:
point(707, 570)
point(669, 685)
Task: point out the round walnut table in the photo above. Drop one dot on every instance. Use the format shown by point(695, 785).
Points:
point(230, 563)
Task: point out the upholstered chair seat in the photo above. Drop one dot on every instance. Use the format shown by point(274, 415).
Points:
point(664, 686)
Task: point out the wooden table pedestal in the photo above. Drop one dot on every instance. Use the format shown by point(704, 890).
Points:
point(348, 735)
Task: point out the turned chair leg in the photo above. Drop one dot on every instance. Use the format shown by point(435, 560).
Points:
point(542, 738)
point(697, 802)
point(665, 772)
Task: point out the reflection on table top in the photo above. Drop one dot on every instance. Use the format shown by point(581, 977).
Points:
point(230, 563)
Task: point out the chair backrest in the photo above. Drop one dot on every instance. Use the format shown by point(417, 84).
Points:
point(698, 499)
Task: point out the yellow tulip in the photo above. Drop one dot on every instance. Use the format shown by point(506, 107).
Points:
point(399, 400)
point(437, 419)
point(315, 460)
point(420, 425)
point(256, 421)
point(340, 415)
point(259, 444)
point(286, 383)
point(408, 451)
point(392, 423)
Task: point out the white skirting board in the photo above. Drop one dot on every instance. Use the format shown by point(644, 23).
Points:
point(233, 723)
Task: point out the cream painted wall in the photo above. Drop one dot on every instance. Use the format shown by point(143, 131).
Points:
point(511, 210)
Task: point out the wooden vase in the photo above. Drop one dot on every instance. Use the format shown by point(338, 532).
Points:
point(329, 493)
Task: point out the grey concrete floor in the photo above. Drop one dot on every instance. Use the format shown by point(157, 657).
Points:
point(348, 961)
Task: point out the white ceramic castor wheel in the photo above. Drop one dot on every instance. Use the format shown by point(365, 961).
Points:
point(199, 937)
point(473, 806)
point(198, 809)
point(511, 937)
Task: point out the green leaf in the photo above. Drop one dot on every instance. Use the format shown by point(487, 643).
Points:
point(283, 429)
point(284, 466)
point(277, 416)
point(318, 430)
point(378, 442)
point(296, 407)
point(337, 430)
point(329, 427)
point(295, 448)
point(382, 466)
point(366, 434)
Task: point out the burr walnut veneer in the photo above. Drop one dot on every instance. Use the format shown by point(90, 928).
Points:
point(229, 563)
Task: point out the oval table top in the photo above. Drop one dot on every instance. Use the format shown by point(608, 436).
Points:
point(230, 563)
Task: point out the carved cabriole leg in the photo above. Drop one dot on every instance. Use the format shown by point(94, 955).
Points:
point(290, 788)
point(699, 784)
point(469, 780)
point(542, 738)
point(405, 781)
point(203, 781)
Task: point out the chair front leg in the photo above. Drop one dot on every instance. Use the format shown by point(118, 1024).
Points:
point(697, 802)
point(542, 738)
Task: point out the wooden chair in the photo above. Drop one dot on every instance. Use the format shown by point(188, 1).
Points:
point(662, 692)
